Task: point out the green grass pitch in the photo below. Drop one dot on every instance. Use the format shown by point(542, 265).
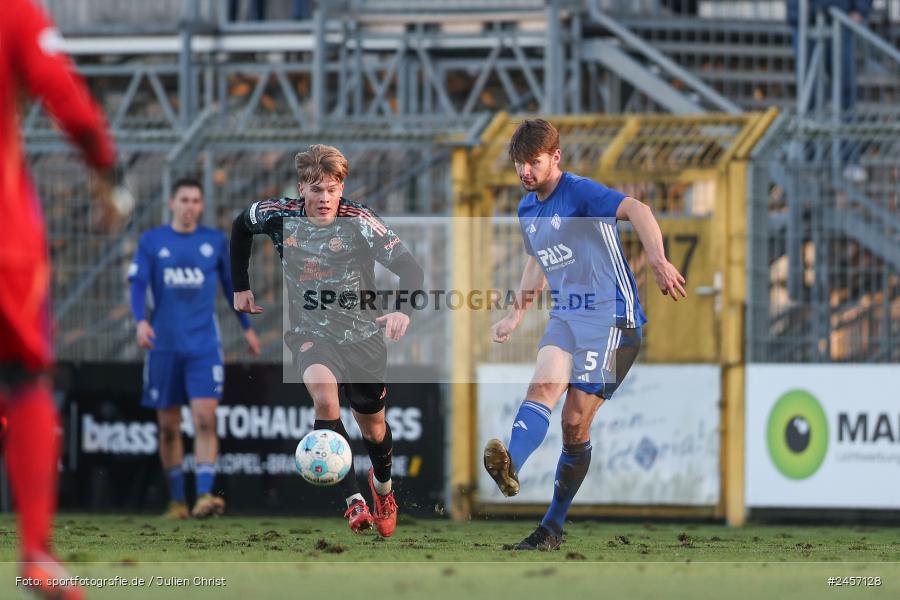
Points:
point(437, 559)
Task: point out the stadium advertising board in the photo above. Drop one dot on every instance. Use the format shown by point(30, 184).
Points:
point(822, 436)
point(656, 442)
point(110, 458)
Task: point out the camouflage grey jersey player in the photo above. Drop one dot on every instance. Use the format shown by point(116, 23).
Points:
point(329, 270)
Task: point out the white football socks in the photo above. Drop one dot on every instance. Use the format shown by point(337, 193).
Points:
point(382, 487)
point(351, 499)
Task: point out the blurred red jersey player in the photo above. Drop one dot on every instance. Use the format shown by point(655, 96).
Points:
point(31, 63)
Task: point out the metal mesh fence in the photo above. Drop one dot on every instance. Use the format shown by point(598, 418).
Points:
point(89, 268)
point(824, 280)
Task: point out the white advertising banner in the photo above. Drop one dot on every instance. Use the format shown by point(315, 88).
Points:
point(823, 436)
point(655, 442)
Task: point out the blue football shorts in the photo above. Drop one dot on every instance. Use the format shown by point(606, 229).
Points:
point(601, 354)
point(175, 378)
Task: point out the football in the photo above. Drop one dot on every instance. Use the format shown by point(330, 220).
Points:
point(323, 457)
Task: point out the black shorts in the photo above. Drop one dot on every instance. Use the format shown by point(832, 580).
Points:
point(359, 368)
point(14, 374)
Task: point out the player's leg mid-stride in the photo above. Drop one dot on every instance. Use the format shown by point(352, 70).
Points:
point(574, 461)
point(322, 385)
point(206, 450)
point(379, 444)
point(531, 421)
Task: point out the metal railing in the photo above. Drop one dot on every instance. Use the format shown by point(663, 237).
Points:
point(824, 206)
point(110, 17)
point(692, 83)
point(829, 52)
point(824, 251)
point(605, 56)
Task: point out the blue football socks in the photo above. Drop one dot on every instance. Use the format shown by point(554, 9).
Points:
point(570, 472)
point(528, 431)
point(205, 474)
point(175, 477)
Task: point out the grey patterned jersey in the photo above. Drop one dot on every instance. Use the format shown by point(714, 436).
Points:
point(328, 269)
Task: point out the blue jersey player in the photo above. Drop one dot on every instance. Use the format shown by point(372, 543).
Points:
point(593, 335)
point(181, 263)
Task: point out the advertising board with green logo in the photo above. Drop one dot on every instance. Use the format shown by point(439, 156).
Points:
point(822, 436)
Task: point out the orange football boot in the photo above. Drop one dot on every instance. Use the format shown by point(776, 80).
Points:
point(385, 509)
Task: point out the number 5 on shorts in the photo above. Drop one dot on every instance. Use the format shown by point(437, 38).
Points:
point(590, 360)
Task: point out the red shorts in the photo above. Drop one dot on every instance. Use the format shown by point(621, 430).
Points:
point(25, 322)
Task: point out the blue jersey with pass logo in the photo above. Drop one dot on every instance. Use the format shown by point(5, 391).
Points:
point(573, 236)
point(182, 271)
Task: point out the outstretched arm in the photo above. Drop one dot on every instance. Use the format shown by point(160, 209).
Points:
point(50, 75)
point(668, 279)
point(47, 73)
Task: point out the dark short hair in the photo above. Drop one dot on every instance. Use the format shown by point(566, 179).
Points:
point(186, 182)
point(531, 138)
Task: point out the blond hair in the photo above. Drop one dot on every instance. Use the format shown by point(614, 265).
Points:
point(321, 161)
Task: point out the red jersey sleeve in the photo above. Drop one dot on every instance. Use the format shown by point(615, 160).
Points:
point(49, 74)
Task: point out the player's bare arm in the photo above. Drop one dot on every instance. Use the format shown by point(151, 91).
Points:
point(668, 279)
point(533, 282)
point(48, 73)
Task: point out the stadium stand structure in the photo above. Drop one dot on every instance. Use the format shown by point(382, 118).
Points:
point(396, 83)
